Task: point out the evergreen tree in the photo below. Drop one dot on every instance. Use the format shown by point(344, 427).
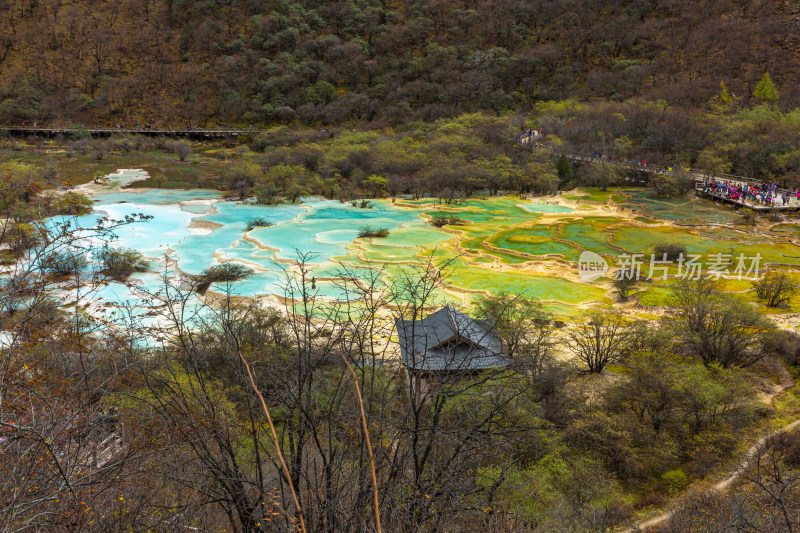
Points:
point(723, 101)
point(766, 91)
point(564, 168)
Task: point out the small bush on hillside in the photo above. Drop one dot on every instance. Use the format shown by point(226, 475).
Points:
point(674, 481)
point(260, 143)
point(624, 287)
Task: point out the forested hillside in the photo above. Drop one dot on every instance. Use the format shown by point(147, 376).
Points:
point(174, 62)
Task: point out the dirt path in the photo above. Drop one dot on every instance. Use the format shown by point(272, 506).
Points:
point(720, 485)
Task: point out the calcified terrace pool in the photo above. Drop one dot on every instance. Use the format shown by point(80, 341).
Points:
point(508, 245)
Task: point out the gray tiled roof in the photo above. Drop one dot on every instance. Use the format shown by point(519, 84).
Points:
point(448, 340)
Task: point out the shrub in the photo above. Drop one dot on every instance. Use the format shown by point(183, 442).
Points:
point(70, 204)
point(226, 272)
point(82, 146)
point(363, 204)
point(774, 216)
point(625, 286)
point(260, 143)
point(792, 442)
point(440, 220)
point(672, 185)
point(674, 481)
point(749, 217)
point(20, 238)
point(64, 263)
point(672, 251)
point(258, 222)
point(786, 345)
point(367, 231)
point(268, 195)
point(122, 262)
point(708, 449)
point(100, 151)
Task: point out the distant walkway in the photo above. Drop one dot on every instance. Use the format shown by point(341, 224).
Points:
point(740, 191)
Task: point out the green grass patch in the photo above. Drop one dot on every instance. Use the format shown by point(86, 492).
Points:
point(594, 194)
point(165, 169)
point(789, 230)
point(656, 295)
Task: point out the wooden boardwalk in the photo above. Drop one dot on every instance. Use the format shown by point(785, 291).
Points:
point(792, 205)
point(699, 176)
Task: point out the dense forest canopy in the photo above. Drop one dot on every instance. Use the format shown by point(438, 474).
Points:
point(252, 62)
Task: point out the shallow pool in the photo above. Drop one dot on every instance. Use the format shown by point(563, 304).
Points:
point(497, 245)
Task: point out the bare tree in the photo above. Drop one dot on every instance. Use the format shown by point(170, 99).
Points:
point(601, 338)
point(625, 286)
point(525, 329)
point(776, 482)
point(777, 288)
point(61, 450)
point(598, 174)
point(717, 327)
point(182, 149)
point(764, 498)
point(201, 390)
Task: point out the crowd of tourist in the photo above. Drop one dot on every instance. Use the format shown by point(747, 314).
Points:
point(760, 194)
point(751, 193)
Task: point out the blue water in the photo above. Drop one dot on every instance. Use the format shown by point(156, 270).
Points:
point(316, 229)
point(199, 234)
point(195, 229)
point(169, 226)
point(539, 207)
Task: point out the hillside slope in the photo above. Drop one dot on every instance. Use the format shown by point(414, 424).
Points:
point(244, 61)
